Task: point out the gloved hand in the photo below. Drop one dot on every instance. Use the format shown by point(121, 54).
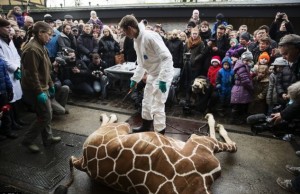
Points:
point(52, 91)
point(10, 95)
point(132, 84)
point(42, 97)
point(17, 74)
point(162, 86)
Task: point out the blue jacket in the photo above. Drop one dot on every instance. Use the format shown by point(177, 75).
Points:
point(5, 83)
point(225, 79)
point(52, 45)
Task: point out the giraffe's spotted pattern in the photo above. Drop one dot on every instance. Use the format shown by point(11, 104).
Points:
point(149, 162)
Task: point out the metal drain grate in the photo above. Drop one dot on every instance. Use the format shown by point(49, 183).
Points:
point(43, 170)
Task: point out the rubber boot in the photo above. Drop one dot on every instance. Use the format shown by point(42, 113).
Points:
point(145, 126)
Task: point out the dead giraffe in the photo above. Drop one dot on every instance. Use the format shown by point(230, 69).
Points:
point(150, 162)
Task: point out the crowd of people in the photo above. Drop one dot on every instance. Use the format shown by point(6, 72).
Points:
point(41, 63)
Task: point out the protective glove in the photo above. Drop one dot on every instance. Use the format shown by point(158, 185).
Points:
point(10, 95)
point(162, 86)
point(42, 98)
point(17, 74)
point(52, 91)
point(132, 84)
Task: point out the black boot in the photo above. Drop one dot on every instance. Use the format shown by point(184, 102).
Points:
point(145, 126)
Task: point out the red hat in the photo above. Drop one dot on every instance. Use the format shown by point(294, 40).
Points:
point(216, 59)
point(264, 55)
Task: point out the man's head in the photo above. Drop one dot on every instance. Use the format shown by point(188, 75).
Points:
point(28, 21)
point(17, 10)
point(129, 25)
point(243, 28)
point(157, 28)
point(4, 27)
point(48, 19)
point(221, 31)
point(264, 43)
point(204, 26)
point(68, 19)
point(244, 38)
point(195, 14)
point(294, 91)
point(289, 47)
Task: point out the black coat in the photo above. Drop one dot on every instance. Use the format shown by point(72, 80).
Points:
point(175, 47)
point(86, 44)
point(108, 48)
point(129, 52)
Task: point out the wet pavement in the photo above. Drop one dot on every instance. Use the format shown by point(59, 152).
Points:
point(252, 169)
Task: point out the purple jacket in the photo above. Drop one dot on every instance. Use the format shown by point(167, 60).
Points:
point(242, 90)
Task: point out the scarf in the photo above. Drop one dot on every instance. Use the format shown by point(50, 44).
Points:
point(193, 43)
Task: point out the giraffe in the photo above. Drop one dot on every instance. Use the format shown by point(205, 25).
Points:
point(149, 162)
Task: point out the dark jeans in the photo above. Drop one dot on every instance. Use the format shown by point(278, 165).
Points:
point(83, 87)
point(296, 183)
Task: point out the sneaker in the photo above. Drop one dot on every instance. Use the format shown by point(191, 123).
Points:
point(31, 147)
point(51, 141)
point(285, 184)
point(294, 170)
point(288, 137)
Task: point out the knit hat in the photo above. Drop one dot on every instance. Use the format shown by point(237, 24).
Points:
point(264, 55)
point(247, 55)
point(220, 16)
point(4, 22)
point(245, 36)
point(215, 59)
point(234, 40)
point(280, 62)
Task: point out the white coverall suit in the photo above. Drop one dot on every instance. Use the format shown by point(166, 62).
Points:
point(154, 58)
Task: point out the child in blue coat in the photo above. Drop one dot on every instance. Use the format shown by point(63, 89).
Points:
point(224, 82)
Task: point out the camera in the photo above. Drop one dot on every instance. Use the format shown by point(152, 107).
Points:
point(60, 61)
point(280, 15)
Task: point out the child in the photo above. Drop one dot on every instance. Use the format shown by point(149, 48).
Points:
point(271, 98)
point(260, 83)
point(241, 93)
point(100, 81)
point(205, 31)
point(224, 82)
point(213, 70)
point(6, 95)
point(234, 47)
point(263, 59)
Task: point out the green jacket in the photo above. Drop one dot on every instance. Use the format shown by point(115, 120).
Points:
point(36, 68)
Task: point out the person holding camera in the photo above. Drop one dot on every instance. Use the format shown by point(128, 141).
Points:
point(290, 113)
point(280, 27)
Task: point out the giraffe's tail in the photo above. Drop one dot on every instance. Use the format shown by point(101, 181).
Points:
point(63, 189)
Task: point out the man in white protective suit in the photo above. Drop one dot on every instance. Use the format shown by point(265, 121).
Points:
point(154, 58)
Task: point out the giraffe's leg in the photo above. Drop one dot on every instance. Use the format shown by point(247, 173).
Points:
point(211, 123)
point(224, 134)
point(112, 118)
point(104, 119)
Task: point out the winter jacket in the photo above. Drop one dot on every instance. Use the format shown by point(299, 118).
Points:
point(96, 21)
point(284, 80)
point(5, 83)
point(225, 80)
point(271, 98)
point(291, 112)
point(212, 74)
point(86, 44)
point(234, 50)
point(242, 90)
point(20, 20)
point(129, 52)
point(92, 67)
point(108, 48)
point(36, 68)
point(196, 59)
point(205, 36)
point(52, 45)
point(175, 46)
point(259, 104)
point(256, 53)
point(65, 41)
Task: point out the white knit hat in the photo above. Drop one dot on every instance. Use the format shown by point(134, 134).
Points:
point(247, 55)
point(280, 62)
